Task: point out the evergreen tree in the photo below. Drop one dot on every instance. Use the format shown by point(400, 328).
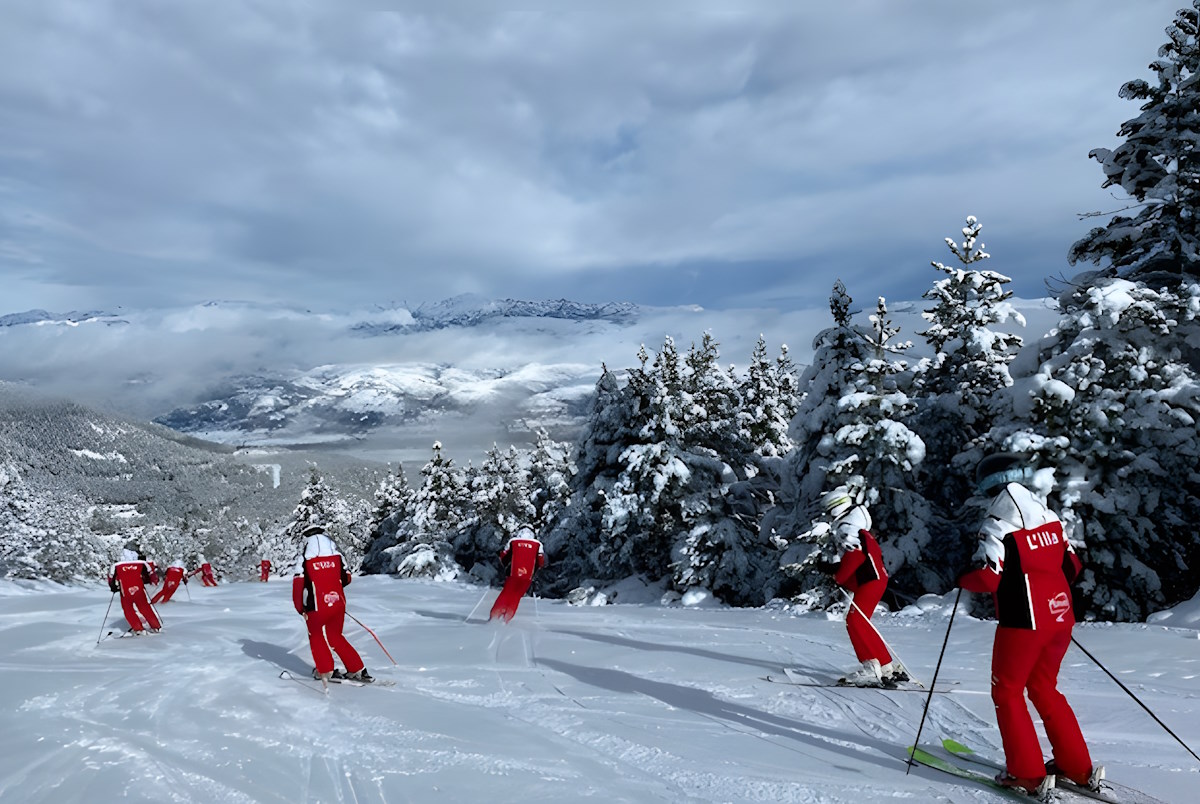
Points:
point(438, 511)
point(1158, 166)
point(550, 474)
point(1110, 406)
point(642, 513)
point(768, 401)
point(962, 388)
point(394, 505)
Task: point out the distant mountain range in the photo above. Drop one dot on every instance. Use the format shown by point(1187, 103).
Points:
point(280, 377)
point(384, 382)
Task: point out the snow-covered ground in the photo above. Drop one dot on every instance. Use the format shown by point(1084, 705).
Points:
point(620, 703)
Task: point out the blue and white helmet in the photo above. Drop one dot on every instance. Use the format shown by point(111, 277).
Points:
point(1000, 469)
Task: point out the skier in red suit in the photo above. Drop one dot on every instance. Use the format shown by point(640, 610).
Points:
point(154, 579)
point(319, 595)
point(129, 577)
point(206, 573)
point(525, 553)
point(861, 572)
point(265, 570)
point(1026, 563)
point(175, 575)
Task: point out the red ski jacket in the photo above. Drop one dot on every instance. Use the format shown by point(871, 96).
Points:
point(1028, 564)
point(319, 578)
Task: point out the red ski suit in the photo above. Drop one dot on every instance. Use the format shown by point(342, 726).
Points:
point(206, 574)
point(318, 593)
point(265, 568)
point(527, 556)
point(170, 583)
point(862, 573)
point(1027, 566)
point(129, 577)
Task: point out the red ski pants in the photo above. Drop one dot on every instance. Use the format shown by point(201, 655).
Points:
point(325, 631)
point(165, 593)
point(867, 642)
point(134, 602)
point(510, 596)
point(1024, 659)
point(208, 580)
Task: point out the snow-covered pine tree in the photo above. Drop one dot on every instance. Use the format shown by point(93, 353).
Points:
point(1158, 166)
point(1113, 409)
point(438, 511)
point(711, 405)
point(961, 388)
point(854, 426)
point(500, 503)
point(573, 539)
point(642, 513)
point(394, 500)
point(1109, 399)
point(720, 548)
point(550, 474)
point(45, 537)
point(768, 401)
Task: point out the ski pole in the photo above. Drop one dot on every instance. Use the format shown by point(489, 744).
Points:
point(880, 635)
point(929, 697)
point(1134, 697)
point(482, 598)
point(372, 633)
point(105, 620)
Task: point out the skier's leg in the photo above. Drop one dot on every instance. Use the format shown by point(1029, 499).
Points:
point(345, 651)
point(505, 605)
point(322, 658)
point(131, 615)
point(518, 593)
point(867, 642)
point(147, 611)
point(1062, 727)
point(1014, 653)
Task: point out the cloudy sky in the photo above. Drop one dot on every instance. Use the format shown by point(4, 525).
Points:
point(330, 154)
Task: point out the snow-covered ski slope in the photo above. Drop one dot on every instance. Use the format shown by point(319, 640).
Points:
point(620, 703)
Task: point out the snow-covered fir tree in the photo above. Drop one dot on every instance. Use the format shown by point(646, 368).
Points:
point(769, 400)
point(642, 511)
point(394, 501)
point(851, 423)
point(1158, 166)
point(551, 471)
point(500, 503)
point(962, 388)
point(427, 550)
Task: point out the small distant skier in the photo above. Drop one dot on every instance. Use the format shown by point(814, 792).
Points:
point(525, 556)
point(129, 577)
point(154, 579)
point(861, 572)
point(319, 595)
point(265, 570)
point(1026, 563)
point(175, 575)
point(207, 577)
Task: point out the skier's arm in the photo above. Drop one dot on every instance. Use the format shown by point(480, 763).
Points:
point(849, 565)
point(298, 593)
point(112, 583)
point(1071, 565)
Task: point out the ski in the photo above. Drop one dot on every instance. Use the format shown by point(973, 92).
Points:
point(923, 757)
point(379, 682)
point(1111, 792)
point(833, 685)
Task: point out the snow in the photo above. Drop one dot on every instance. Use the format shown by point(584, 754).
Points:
point(631, 702)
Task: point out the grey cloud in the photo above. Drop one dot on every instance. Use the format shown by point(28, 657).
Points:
point(332, 151)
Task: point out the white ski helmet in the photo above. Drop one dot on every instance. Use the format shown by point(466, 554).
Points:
point(837, 503)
